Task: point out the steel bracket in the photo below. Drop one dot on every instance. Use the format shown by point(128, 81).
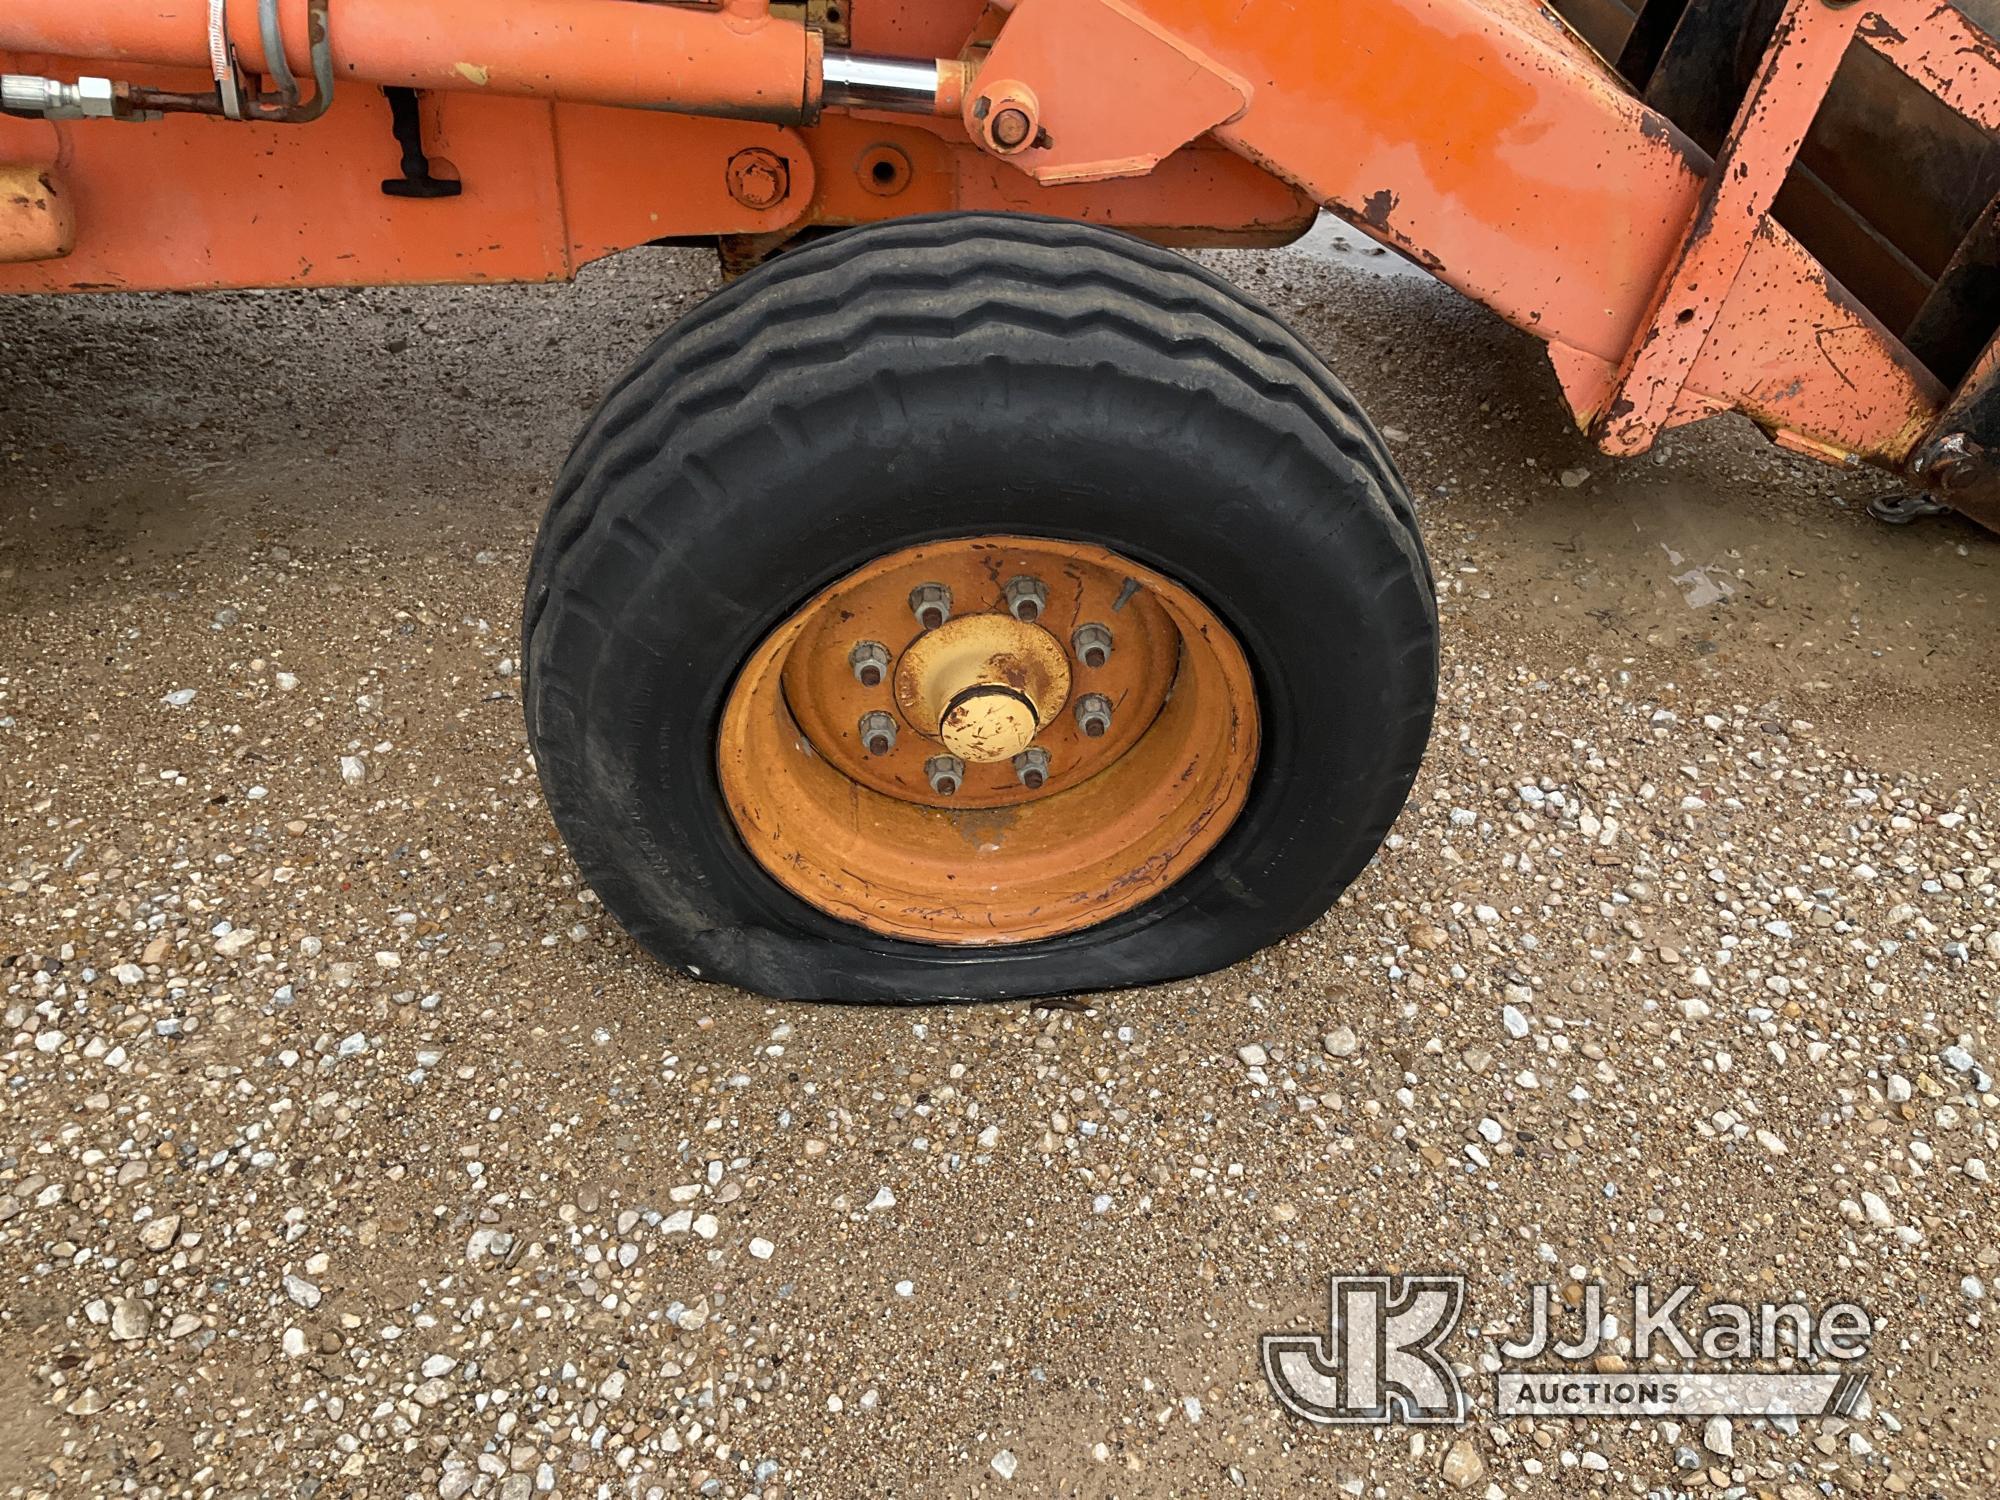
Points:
point(1771, 126)
point(1110, 93)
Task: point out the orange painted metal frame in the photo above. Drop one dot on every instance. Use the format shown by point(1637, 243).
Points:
point(1481, 137)
point(188, 204)
point(738, 60)
point(1798, 68)
point(1934, 44)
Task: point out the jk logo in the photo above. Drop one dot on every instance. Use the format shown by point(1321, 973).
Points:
point(1378, 1361)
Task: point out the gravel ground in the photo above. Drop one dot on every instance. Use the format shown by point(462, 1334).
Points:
point(349, 1149)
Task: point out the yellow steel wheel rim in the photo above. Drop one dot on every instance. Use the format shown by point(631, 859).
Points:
point(1052, 759)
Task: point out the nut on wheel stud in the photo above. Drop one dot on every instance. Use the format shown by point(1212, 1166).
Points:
point(946, 773)
point(931, 604)
point(1093, 715)
point(1032, 767)
point(870, 660)
point(1026, 599)
point(878, 732)
point(1092, 644)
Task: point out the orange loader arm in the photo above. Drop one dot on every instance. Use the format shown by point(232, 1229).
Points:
point(154, 144)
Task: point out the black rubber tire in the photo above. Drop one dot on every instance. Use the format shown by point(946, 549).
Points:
point(950, 376)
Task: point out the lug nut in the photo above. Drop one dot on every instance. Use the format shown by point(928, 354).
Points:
point(946, 773)
point(870, 661)
point(1032, 766)
point(1092, 644)
point(1093, 715)
point(931, 604)
point(1026, 599)
point(878, 733)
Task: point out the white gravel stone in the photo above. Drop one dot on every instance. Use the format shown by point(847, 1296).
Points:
point(301, 1291)
point(1463, 1467)
point(488, 1243)
point(236, 941)
point(131, 1319)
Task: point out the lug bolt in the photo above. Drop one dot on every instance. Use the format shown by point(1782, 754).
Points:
point(1032, 766)
point(1026, 599)
point(1093, 715)
point(946, 773)
point(870, 661)
point(878, 733)
point(1092, 644)
point(931, 604)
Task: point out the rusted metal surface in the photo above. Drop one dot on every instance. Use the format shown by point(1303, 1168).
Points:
point(1936, 45)
point(1489, 144)
point(1888, 179)
point(927, 670)
point(760, 179)
point(1960, 457)
point(1706, 63)
point(235, 96)
point(1964, 306)
point(1805, 51)
point(998, 859)
point(1903, 161)
point(985, 684)
point(1645, 39)
point(37, 222)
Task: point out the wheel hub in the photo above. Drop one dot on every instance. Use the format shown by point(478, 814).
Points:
point(984, 684)
point(934, 644)
point(989, 740)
